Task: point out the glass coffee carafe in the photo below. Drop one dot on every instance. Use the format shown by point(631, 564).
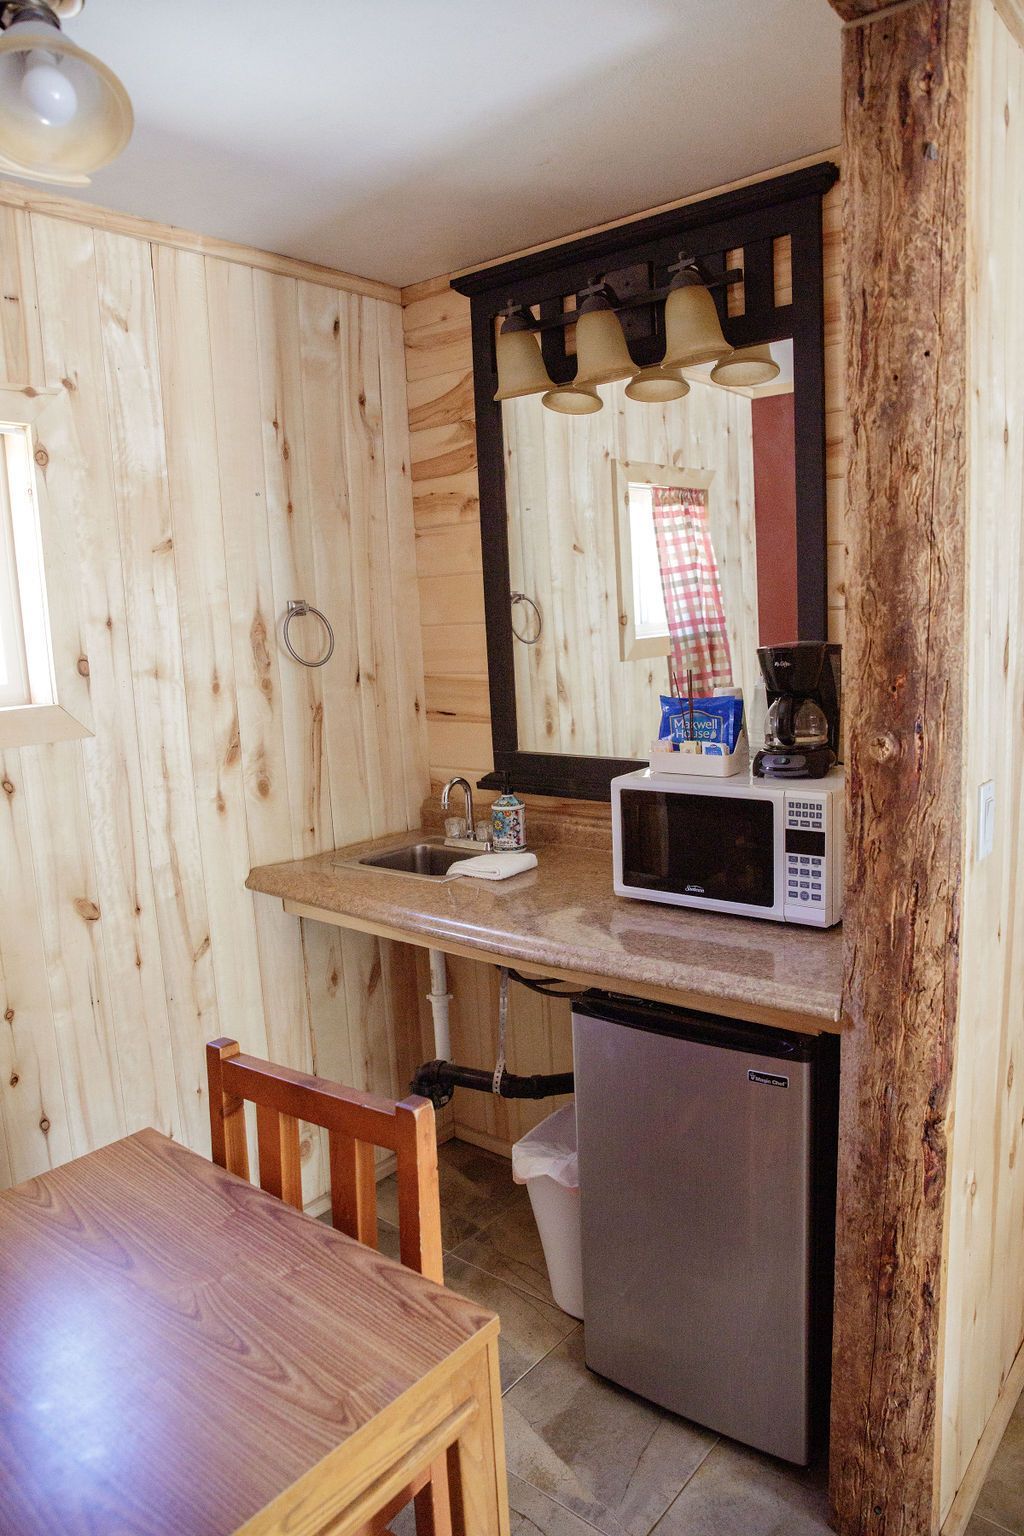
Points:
point(795, 724)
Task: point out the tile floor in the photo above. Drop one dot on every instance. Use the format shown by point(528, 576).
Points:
point(586, 1456)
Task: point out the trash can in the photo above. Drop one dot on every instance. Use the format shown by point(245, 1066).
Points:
point(545, 1161)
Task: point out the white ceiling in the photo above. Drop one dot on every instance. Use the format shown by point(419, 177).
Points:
point(404, 138)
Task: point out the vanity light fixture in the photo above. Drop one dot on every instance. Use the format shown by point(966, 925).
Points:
point(693, 331)
point(573, 399)
point(656, 385)
point(63, 113)
point(745, 368)
point(521, 369)
point(602, 355)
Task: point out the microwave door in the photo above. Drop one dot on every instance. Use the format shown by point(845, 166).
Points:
point(704, 848)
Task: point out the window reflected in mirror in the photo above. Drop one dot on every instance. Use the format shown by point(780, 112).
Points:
point(644, 541)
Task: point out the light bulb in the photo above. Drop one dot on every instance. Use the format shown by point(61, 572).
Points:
point(47, 90)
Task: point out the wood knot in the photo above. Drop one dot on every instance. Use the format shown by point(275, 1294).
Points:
point(263, 787)
point(69, 384)
point(41, 457)
point(9, 1015)
point(15, 1079)
point(7, 787)
point(884, 747)
point(337, 327)
point(44, 1125)
point(87, 910)
point(82, 666)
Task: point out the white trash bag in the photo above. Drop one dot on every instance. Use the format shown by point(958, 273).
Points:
point(546, 1161)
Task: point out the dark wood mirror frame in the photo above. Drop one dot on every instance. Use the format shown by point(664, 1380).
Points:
point(750, 220)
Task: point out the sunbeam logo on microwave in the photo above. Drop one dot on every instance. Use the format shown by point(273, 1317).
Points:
point(694, 890)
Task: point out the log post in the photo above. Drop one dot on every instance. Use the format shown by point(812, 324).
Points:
point(904, 164)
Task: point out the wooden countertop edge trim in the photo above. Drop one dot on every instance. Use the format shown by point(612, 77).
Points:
point(407, 1418)
point(681, 997)
point(31, 200)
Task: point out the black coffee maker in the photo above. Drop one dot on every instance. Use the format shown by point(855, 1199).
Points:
point(802, 727)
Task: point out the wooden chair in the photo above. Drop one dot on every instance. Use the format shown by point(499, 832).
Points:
point(356, 1123)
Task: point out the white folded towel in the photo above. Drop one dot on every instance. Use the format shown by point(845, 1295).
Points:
point(495, 866)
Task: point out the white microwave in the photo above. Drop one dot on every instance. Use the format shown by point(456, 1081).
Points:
point(769, 848)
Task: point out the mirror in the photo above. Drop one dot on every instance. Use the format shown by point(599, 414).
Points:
point(620, 519)
point(583, 516)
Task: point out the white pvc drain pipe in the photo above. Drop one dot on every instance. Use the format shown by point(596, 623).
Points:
point(440, 998)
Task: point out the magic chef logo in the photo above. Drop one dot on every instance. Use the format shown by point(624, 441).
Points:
point(768, 1079)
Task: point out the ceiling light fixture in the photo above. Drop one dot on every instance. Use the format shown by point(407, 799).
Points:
point(63, 113)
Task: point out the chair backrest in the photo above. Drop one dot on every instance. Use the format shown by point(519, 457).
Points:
point(355, 1122)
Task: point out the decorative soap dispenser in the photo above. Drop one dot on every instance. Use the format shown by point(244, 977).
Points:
point(508, 819)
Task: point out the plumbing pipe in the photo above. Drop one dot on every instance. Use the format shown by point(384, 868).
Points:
point(440, 997)
point(437, 1081)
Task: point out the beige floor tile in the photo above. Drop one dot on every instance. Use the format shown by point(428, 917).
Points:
point(605, 1455)
point(977, 1526)
point(511, 1249)
point(1002, 1495)
point(737, 1492)
point(533, 1514)
point(530, 1328)
point(476, 1187)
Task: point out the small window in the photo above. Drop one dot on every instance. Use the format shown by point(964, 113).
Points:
point(643, 622)
point(650, 621)
point(26, 674)
point(44, 689)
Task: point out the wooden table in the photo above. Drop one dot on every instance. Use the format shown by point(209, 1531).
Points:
point(181, 1353)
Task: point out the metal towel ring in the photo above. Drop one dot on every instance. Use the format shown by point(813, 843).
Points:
point(521, 597)
point(297, 609)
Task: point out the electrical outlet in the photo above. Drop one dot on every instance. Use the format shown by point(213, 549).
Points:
point(986, 818)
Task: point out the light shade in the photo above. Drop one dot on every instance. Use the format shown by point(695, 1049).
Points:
point(63, 114)
point(521, 369)
point(657, 384)
point(746, 367)
point(693, 332)
point(601, 352)
point(573, 399)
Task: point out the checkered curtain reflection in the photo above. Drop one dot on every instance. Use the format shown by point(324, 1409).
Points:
point(693, 592)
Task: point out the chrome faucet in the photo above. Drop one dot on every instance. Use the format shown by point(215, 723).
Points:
point(465, 785)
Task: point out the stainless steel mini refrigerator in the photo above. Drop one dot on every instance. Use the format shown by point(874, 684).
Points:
point(707, 1177)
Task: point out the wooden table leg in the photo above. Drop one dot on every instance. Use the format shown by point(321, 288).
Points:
point(477, 1480)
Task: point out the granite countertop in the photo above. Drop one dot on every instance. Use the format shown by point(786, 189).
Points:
point(564, 918)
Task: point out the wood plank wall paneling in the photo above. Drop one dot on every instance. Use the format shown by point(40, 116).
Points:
point(446, 510)
point(984, 1289)
point(236, 437)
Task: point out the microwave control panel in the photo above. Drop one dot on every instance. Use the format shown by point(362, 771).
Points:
point(806, 832)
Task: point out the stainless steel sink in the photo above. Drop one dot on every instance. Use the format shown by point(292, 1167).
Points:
point(426, 859)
